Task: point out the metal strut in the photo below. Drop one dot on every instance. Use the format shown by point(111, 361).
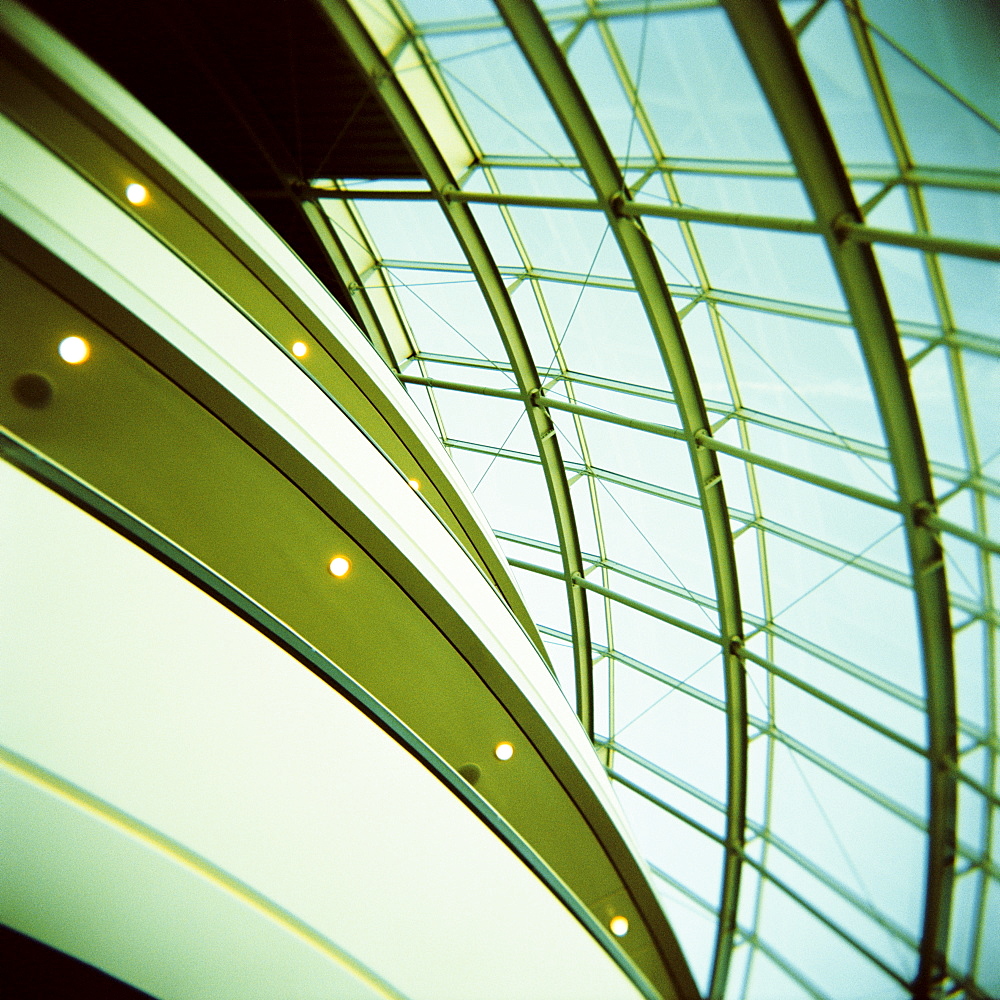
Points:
point(774, 56)
point(550, 67)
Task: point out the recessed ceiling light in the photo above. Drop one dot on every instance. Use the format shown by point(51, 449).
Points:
point(619, 926)
point(504, 751)
point(415, 483)
point(340, 566)
point(300, 349)
point(137, 194)
point(74, 350)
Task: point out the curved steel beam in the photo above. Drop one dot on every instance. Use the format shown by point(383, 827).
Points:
point(772, 52)
point(390, 91)
point(550, 67)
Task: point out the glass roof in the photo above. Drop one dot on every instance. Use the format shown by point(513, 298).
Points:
point(702, 299)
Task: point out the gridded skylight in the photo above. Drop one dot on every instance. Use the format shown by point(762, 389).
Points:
point(728, 392)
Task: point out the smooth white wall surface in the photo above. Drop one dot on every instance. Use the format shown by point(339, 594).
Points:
point(128, 682)
point(101, 891)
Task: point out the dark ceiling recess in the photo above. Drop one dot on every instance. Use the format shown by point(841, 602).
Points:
point(265, 93)
point(30, 970)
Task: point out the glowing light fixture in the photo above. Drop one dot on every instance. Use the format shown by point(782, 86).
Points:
point(619, 926)
point(340, 566)
point(504, 751)
point(300, 349)
point(137, 194)
point(74, 350)
point(415, 483)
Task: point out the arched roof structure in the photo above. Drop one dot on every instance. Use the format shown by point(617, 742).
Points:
point(699, 298)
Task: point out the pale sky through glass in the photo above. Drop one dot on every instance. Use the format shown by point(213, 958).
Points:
point(834, 864)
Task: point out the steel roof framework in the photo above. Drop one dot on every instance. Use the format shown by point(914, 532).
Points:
point(618, 190)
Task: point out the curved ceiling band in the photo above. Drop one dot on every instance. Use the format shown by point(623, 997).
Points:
point(772, 52)
point(549, 65)
point(484, 268)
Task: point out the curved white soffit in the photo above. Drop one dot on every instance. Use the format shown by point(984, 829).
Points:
point(148, 132)
point(103, 242)
point(98, 885)
point(128, 682)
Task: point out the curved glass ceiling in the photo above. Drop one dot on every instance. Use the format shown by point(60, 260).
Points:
point(702, 299)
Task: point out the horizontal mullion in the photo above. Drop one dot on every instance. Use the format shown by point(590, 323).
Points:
point(835, 486)
point(835, 703)
point(612, 595)
point(851, 780)
point(553, 403)
point(857, 232)
point(365, 194)
point(512, 272)
point(761, 627)
point(648, 609)
point(479, 390)
point(939, 524)
point(748, 654)
point(555, 574)
point(671, 684)
point(704, 440)
point(640, 209)
point(956, 179)
point(816, 435)
point(608, 10)
point(927, 242)
point(531, 458)
point(777, 843)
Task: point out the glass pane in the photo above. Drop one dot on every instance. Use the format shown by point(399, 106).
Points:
point(792, 267)
point(605, 333)
point(964, 920)
point(732, 120)
point(603, 89)
point(862, 845)
point(848, 912)
point(447, 316)
point(810, 373)
point(972, 284)
point(685, 736)
point(957, 41)
point(776, 196)
point(498, 94)
point(512, 494)
point(941, 130)
point(821, 956)
point(865, 691)
point(656, 536)
point(839, 78)
point(573, 242)
point(895, 772)
point(846, 613)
